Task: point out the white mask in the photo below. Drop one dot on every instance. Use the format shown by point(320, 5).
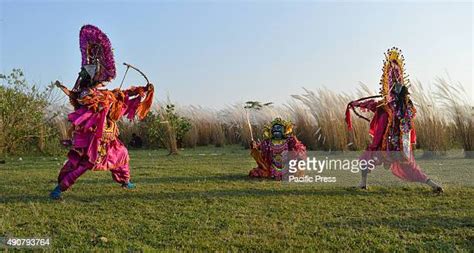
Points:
point(91, 69)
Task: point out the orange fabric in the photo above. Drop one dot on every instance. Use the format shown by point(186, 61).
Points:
point(98, 99)
point(115, 101)
point(116, 110)
point(262, 170)
point(145, 105)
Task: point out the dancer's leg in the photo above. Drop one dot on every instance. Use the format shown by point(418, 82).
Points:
point(70, 178)
point(117, 154)
point(364, 171)
point(68, 175)
point(121, 175)
point(410, 171)
point(363, 181)
point(435, 186)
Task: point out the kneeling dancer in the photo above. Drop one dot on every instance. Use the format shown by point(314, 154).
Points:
point(272, 154)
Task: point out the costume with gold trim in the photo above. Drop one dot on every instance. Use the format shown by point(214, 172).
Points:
point(392, 126)
point(95, 144)
point(278, 146)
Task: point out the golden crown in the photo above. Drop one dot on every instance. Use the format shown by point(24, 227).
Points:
point(288, 125)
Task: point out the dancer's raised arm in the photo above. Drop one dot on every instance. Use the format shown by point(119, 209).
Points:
point(139, 90)
point(370, 104)
point(138, 100)
point(367, 105)
point(63, 88)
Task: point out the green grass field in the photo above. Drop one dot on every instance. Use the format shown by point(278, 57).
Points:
point(202, 200)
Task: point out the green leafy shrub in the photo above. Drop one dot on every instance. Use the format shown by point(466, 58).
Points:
point(168, 127)
point(26, 124)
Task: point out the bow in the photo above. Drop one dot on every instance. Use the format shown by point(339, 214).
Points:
point(135, 68)
point(145, 104)
point(358, 100)
point(350, 107)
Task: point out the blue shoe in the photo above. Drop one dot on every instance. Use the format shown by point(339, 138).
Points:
point(56, 193)
point(129, 185)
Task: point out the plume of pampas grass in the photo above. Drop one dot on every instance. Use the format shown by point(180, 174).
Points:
point(305, 125)
point(327, 108)
point(455, 103)
point(430, 122)
point(206, 127)
point(234, 117)
point(319, 120)
point(62, 125)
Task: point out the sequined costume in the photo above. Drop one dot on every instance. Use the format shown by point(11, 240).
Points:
point(95, 144)
point(271, 154)
point(392, 126)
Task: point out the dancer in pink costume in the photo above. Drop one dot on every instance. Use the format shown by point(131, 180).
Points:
point(95, 144)
point(392, 126)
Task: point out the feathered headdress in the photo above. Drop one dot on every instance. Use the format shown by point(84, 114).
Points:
point(97, 55)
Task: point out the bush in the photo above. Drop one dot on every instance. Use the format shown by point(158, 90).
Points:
point(168, 128)
point(25, 124)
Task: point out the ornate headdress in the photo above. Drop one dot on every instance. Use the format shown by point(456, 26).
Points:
point(288, 125)
point(393, 72)
point(394, 79)
point(97, 55)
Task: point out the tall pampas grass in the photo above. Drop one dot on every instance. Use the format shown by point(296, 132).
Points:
point(319, 120)
point(456, 105)
point(430, 121)
point(206, 127)
point(305, 125)
point(62, 125)
point(234, 117)
point(328, 109)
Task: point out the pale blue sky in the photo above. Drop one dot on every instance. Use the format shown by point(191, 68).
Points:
point(217, 53)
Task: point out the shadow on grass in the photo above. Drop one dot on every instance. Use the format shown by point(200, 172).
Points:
point(136, 195)
point(173, 179)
